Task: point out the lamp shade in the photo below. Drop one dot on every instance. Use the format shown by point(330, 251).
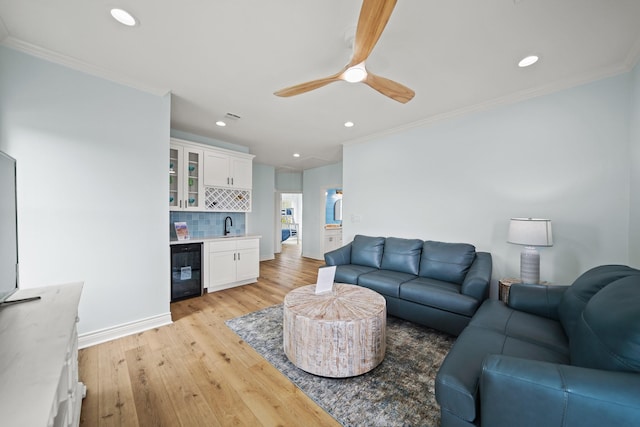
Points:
point(530, 232)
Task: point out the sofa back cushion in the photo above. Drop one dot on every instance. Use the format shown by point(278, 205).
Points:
point(446, 261)
point(367, 251)
point(607, 335)
point(402, 255)
point(576, 298)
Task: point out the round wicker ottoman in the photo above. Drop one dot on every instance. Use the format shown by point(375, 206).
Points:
point(338, 334)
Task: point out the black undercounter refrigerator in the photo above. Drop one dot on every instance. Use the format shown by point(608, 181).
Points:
point(186, 271)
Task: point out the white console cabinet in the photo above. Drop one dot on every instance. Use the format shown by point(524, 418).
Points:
point(39, 383)
point(232, 263)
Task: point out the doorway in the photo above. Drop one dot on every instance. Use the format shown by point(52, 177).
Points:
point(290, 219)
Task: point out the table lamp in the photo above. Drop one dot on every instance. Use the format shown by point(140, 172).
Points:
point(530, 232)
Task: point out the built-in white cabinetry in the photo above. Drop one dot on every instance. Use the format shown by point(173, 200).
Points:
point(232, 263)
point(186, 189)
point(205, 178)
point(39, 383)
point(226, 170)
point(332, 239)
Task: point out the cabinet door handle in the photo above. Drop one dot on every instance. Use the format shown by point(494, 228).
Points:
point(238, 256)
point(180, 203)
point(228, 181)
point(231, 181)
point(234, 257)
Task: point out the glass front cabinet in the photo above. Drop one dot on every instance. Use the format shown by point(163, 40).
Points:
point(186, 188)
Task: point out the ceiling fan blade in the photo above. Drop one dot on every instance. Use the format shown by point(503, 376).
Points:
point(307, 86)
point(374, 16)
point(393, 90)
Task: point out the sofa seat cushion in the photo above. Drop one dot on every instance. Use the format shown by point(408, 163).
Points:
point(385, 282)
point(607, 335)
point(519, 325)
point(349, 273)
point(449, 262)
point(367, 251)
point(402, 255)
point(438, 294)
point(457, 380)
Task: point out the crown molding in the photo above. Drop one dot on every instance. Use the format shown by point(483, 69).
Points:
point(510, 99)
point(4, 32)
point(78, 65)
point(634, 55)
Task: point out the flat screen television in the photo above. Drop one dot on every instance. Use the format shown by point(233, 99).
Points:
point(8, 228)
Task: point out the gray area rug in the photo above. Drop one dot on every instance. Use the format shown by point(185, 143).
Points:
point(399, 392)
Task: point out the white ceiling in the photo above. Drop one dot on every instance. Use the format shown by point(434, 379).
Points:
point(229, 56)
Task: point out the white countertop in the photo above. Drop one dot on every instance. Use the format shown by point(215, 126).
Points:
point(215, 238)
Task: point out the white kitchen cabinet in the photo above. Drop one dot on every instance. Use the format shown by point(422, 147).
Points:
point(186, 189)
point(226, 170)
point(232, 263)
point(332, 239)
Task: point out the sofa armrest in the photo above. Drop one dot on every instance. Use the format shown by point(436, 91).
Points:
point(529, 393)
point(541, 300)
point(476, 282)
point(339, 256)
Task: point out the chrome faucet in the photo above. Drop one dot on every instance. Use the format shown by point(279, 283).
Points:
point(226, 230)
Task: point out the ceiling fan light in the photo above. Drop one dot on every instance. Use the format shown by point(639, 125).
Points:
point(123, 17)
point(355, 74)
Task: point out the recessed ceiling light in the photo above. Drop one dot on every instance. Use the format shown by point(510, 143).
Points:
point(123, 17)
point(529, 60)
point(348, 124)
point(220, 123)
point(296, 154)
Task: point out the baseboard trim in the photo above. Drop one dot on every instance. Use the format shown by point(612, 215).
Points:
point(103, 335)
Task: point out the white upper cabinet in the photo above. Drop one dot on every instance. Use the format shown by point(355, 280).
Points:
point(186, 190)
point(222, 169)
point(206, 178)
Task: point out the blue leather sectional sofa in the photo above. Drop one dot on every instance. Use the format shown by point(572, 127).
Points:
point(554, 356)
point(437, 284)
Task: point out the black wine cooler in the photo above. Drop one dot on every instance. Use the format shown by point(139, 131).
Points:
point(186, 271)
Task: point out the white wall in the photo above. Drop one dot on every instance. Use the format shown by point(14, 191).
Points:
point(92, 187)
point(563, 156)
point(261, 219)
point(634, 217)
point(315, 182)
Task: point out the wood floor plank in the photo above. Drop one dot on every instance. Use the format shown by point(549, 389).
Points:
point(197, 371)
point(115, 395)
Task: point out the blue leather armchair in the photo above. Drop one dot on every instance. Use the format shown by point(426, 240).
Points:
point(555, 356)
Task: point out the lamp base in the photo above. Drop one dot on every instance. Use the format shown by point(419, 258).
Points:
point(530, 265)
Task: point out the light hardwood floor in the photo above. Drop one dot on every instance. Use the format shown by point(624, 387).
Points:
point(196, 371)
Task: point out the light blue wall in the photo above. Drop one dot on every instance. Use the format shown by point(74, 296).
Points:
point(634, 217)
point(92, 183)
point(261, 219)
point(563, 156)
point(315, 184)
point(289, 182)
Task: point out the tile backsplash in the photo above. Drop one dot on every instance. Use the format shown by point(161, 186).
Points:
point(207, 224)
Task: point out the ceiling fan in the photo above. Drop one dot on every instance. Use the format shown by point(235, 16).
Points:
point(374, 16)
